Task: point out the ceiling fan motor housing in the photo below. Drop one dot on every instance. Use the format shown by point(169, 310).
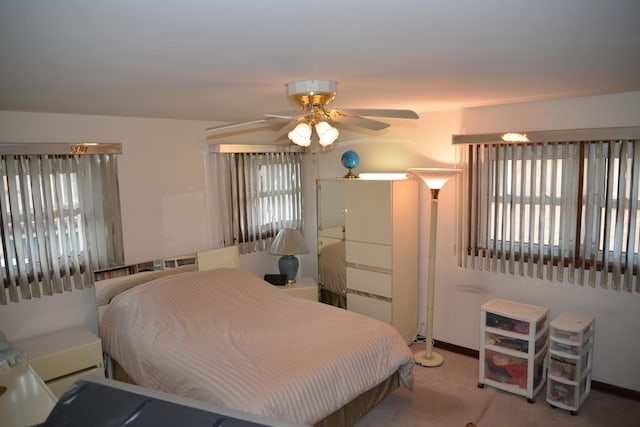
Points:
point(314, 93)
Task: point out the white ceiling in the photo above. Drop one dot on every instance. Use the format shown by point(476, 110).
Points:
point(229, 60)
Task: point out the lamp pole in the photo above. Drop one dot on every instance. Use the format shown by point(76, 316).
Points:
point(435, 179)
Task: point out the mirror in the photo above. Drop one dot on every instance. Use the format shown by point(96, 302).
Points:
point(331, 242)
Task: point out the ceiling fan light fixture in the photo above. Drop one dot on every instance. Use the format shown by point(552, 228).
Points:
point(310, 97)
point(301, 135)
point(327, 134)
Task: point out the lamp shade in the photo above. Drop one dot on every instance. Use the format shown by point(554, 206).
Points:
point(288, 241)
point(301, 135)
point(435, 178)
point(327, 134)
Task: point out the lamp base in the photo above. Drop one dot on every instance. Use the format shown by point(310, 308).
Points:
point(422, 360)
point(288, 265)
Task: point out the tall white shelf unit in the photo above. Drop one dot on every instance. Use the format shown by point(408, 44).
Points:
point(382, 251)
point(570, 360)
point(381, 232)
point(513, 347)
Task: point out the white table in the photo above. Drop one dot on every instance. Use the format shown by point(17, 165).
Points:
point(305, 287)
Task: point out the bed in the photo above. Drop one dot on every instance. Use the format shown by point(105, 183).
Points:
point(235, 341)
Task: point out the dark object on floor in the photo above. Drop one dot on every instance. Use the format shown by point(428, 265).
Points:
point(93, 401)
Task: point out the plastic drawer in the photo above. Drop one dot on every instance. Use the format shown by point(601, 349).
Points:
point(521, 345)
point(569, 369)
point(565, 394)
point(510, 324)
point(571, 336)
point(508, 369)
point(507, 342)
point(570, 349)
point(574, 328)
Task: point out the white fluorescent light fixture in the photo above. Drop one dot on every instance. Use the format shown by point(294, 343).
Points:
point(515, 137)
point(382, 176)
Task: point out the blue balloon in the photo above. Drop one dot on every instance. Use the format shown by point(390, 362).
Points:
point(350, 159)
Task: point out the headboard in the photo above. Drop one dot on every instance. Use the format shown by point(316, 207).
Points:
point(206, 260)
point(217, 258)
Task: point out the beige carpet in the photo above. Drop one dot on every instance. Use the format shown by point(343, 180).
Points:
point(448, 396)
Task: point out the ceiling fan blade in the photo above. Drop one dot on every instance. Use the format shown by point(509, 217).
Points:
point(337, 116)
point(238, 125)
point(377, 112)
point(286, 129)
point(288, 115)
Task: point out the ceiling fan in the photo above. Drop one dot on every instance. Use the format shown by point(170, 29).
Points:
point(312, 116)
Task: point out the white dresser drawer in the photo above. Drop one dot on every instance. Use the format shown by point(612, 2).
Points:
point(371, 282)
point(369, 254)
point(372, 307)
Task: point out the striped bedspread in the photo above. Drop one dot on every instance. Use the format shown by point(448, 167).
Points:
point(228, 338)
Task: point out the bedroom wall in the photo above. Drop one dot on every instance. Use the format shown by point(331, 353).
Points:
point(460, 292)
point(617, 338)
point(162, 196)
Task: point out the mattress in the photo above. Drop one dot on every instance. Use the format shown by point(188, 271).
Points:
point(229, 338)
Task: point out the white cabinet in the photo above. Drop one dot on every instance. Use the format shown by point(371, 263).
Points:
point(61, 358)
point(381, 231)
point(513, 347)
point(570, 360)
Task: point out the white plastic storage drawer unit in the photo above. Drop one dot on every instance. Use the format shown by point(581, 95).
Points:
point(570, 359)
point(513, 347)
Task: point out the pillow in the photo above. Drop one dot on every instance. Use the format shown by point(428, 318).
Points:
point(109, 288)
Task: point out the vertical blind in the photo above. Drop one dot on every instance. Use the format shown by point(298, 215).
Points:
point(555, 211)
point(59, 221)
point(253, 195)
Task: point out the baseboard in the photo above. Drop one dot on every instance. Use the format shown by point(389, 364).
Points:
point(595, 385)
point(457, 349)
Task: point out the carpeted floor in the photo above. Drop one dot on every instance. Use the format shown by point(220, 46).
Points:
point(448, 396)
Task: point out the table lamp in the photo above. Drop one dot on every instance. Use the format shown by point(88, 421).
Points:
point(288, 243)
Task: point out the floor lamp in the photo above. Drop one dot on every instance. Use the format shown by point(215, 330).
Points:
point(435, 179)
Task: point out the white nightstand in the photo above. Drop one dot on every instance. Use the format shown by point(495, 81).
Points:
point(305, 287)
point(27, 400)
point(60, 358)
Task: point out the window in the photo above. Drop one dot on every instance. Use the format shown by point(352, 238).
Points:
point(555, 210)
point(253, 195)
point(60, 220)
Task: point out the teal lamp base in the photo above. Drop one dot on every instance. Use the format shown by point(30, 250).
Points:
point(288, 265)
